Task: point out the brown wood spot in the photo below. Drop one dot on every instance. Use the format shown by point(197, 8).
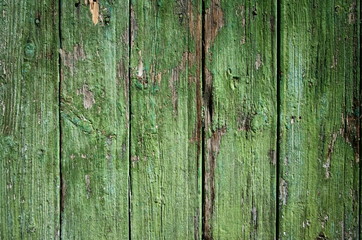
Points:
point(214, 21)
point(213, 148)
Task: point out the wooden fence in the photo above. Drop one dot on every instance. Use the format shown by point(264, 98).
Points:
point(180, 119)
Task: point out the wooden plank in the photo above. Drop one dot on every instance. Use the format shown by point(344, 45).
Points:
point(94, 112)
point(166, 119)
point(320, 120)
point(29, 137)
point(240, 119)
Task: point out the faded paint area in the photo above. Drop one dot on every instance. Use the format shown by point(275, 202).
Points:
point(70, 59)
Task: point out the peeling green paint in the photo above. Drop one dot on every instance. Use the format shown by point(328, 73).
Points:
point(161, 119)
point(95, 121)
point(166, 160)
point(240, 120)
point(320, 88)
point(29, 135)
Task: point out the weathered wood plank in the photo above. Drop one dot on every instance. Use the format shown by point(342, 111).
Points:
point(166, 119)
point(320, 102)
point(95, 126)
point(29, 136)
point(240, 119)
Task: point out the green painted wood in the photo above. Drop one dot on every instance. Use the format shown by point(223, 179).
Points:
point(94, 120)
point(134, 159)
point(320, 102)
point(29, 134)
point(240, 119)
point(166, 119)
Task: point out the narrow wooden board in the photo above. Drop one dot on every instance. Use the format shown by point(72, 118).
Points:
point(240, 119)
point(29, 134)
point(95, 120)
point(320, 120)
point(166, 119)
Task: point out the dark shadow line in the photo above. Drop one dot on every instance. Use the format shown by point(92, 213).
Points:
point(359, 122)
point(203, 135)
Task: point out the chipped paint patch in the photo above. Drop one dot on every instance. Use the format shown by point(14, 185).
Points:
point(94, 9)
point(140, 66)
point(87, 183)
point(352, 14)
point(273, 156)
point(327, 164)
point(258, 62)
point(283, 191)
point(88, 97)
point(134, 27)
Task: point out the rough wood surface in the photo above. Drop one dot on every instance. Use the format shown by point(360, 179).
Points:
point(240, 119)
point(165, 119)
point(160, 119)
point(320, 109)
point(94, 114)
point(29, 134)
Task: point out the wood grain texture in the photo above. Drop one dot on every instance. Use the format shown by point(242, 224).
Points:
point(320, 123)
point(95, 120)
point(160, 119)
point(240, 119)
point(29, 134)
point(166, 119)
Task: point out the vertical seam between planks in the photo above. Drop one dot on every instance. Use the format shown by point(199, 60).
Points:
point(278, 73)
point(359, 122)
point(129, 119)
point(61, 200)
point(203, 150)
